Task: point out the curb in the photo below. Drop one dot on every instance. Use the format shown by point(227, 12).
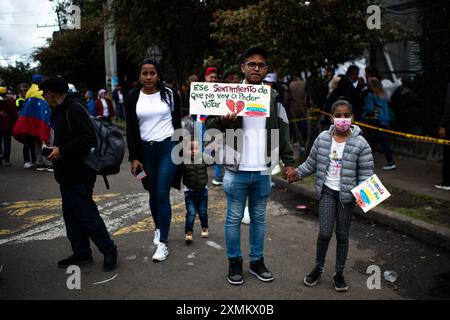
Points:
point(426, 232)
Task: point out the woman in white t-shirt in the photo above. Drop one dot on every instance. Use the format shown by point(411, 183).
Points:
point(153, 114)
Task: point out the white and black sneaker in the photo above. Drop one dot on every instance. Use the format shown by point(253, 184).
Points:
point(235, 271)
point(390, 166)
point(339, 282)
point(258, 269)
point(161, 252)
point(41, 167)
point(313, 277)
point(442, 186)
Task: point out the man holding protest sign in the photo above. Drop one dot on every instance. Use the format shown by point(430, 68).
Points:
point(247, 173)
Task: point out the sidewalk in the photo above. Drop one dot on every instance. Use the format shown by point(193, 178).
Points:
point(412, 174)
point(413, 179)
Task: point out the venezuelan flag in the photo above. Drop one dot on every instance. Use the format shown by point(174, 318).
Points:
point(34, 119)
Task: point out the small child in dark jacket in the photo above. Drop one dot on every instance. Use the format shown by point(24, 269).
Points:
point(195, 180)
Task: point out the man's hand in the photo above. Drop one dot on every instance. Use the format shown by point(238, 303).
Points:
point(442, 132)
point(230, 116)
point(135, 164)
point(359, 202)
point(55, 155)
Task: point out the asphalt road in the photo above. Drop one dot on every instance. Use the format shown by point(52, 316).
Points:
point(32, 240)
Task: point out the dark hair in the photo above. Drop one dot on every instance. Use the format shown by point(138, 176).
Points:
point(160, 83)
point(352, 69)
point(341, 102)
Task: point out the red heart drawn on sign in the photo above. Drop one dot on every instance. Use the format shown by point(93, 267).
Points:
point(240, 105)
point(230, 105)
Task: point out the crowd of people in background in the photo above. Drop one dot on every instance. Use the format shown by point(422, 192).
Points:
point(27, 101)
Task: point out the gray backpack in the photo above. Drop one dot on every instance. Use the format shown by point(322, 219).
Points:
point(107, 155)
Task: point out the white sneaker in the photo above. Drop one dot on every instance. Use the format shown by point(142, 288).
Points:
point(161, 252)
point(246, 218)
point(27, 165)
point(156, 237)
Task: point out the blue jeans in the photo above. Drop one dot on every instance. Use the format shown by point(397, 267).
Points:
point(218, 172)
point(239, 186)
point(161, 171)
point(83, 221)
point(196, 202)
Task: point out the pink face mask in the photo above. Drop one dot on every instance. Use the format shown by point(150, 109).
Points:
point(342, 124)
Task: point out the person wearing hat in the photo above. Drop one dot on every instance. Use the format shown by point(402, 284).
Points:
point(104, 107)
point(8, 116)
point(247, 174)
point(76, 180)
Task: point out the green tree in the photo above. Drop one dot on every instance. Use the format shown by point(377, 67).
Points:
point(300, 36)
point(179, 28)
point(12, 76)
point(77, 55)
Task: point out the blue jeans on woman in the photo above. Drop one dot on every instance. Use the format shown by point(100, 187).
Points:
point(196, 202)
point(160, 171)
point(239, 186)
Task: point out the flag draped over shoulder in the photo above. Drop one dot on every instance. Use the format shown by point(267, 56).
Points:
point(34, 119)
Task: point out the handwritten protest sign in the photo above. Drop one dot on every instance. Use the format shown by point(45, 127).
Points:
point(221, 98)
point(371, 193)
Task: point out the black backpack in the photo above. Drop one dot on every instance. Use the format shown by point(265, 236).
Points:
point(107, 155)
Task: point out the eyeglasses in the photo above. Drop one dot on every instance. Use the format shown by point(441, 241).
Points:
point(253, 65)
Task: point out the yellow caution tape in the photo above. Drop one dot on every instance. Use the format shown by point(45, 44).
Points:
point(402, 134)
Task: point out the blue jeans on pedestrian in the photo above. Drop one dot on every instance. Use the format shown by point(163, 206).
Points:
point(161, 171)
point(239, 186)
point(196, 203)
point(83, 221)
point(218, 172)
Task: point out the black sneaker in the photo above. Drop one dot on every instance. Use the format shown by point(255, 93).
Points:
point(313, 277)
point(442, 186)
point(110, 262)
point(339, 282)
point(258, 269)
point(390, 166)
point(76, 259)
point(235, 271)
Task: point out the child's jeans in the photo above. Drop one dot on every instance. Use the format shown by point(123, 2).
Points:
point(196, 202)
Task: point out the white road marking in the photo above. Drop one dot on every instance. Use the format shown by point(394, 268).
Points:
point(214, 245)
point(106, 280)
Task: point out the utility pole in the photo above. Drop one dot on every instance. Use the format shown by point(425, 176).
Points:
point(110, 50)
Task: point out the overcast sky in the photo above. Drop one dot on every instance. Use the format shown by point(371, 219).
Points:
point(19, 34)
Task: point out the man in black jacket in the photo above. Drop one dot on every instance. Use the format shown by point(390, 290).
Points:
point(76, 180)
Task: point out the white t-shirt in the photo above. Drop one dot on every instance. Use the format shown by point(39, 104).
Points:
point(154, 116)
point(105, 107)
point(120, 95)
point(333, 177)
point(254, 144)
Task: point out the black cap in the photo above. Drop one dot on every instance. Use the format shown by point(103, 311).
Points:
point(55, 84)
point(256, 50)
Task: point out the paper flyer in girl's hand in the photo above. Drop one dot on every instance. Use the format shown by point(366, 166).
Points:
point(370, 193)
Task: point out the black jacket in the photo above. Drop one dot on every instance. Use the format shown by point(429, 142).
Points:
point(134, 140)
point(195, 176)
point(74, 143)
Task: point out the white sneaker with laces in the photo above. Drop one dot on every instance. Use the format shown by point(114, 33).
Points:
point(156, 238)
point(27, 165)
point(161, 252)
